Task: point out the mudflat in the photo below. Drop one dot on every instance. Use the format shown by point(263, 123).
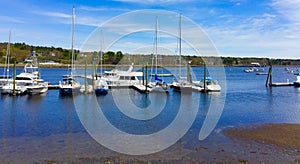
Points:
point(287, 135)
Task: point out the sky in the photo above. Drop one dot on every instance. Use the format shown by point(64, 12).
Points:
point(236, 28)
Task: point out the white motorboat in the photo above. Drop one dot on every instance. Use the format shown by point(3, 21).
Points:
point(68, 85)
point(211, 85)
point(101, 87)
point(37, 88)
point(297, 83)
point(27, 78)
point(117, 78)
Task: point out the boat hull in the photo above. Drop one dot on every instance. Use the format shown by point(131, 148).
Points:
point(101, 91)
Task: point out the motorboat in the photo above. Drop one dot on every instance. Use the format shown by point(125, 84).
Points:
point(27, 78)
point(68, 85)
point(117, 78)
point(297, 83)
point(37, 88)
point(211, 85)
point(101, 87)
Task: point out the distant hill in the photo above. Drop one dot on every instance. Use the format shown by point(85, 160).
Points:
point(21, 51)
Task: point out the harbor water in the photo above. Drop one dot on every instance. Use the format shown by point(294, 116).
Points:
point(246, 101)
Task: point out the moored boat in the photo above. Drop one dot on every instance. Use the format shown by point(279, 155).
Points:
point(297, 83)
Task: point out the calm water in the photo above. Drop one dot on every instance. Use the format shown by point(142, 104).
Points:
point(247, 100)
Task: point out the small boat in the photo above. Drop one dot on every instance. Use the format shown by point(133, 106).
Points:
point(162, 74)
point(68, 86)
point(8, 89)
point(297, 83)
point(89, 89)
point(37, 88)
point(101, 87)
point(212, 85)
point(248, 70)
point(159, 85)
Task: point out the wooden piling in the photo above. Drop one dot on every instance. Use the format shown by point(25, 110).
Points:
point(14, 80)
point(146, 85)
point(204, 76)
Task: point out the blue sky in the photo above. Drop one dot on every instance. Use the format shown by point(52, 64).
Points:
point(245, 28)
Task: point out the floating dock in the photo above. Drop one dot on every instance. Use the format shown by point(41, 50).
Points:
point(53, 87)
point(282, 84)
point(141, 88)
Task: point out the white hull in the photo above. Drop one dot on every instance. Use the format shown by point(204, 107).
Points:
point(8, 89)
point(39, 88)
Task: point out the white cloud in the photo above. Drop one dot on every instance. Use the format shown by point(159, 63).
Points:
point(53, 14)
point(89, 8)
point(10, 19)
point(154, 1)
point(290, 9)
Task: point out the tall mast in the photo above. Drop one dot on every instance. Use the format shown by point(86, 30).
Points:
point(156, 27)
point(72, 48)
point(101, 54)
point(180, 46)
point(6, 70)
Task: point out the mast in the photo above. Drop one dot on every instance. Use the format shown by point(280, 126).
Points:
point(180, 62)
point(72, 48)
point(156, 27)
point(101, 54)
point(6, 70)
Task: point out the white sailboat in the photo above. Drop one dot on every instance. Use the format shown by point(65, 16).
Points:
point(69, 85)
point(183, 84)
point(101, 87)
point(6, 75)
point(158, 85)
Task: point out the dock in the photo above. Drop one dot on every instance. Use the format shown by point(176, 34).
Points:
point(141, 88)
point(53, 87)
point(282, 84)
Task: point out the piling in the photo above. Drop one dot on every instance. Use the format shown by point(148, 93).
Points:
point(85, 74)
point(271, 74)
point(143, 77)
point(204, 80)
point(146, 85)
point(14, 80)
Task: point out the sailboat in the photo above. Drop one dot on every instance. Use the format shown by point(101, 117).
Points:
point(6, 76)
point(101, 87)
point(183, 83)
point(69, 85)
point(158, 85)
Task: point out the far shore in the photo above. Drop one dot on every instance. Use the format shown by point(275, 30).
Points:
point(21, 65)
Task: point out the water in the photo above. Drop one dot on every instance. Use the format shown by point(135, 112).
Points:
point(247, 100)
